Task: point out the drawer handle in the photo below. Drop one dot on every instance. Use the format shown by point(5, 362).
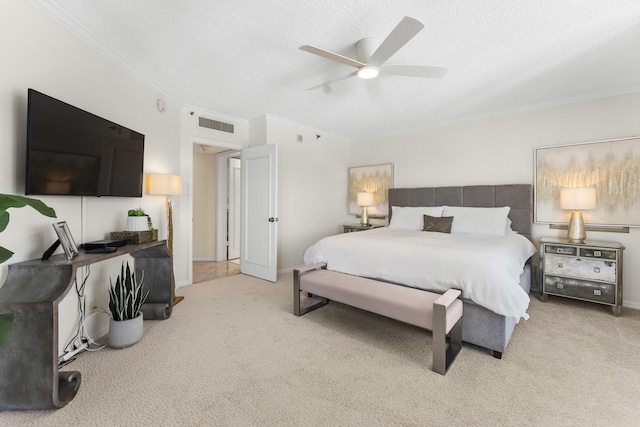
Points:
point(560, 285)
point(597, 292)
point(596, 269)
point(560, 265)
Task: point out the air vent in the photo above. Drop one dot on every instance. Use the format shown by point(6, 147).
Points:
point(203, 122)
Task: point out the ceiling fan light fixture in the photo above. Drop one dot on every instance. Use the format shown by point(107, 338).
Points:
point(368, 72)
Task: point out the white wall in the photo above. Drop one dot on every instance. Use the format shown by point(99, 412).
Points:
point(204, 207)
point(38, 53)
point(500, 150)
point(312, 187)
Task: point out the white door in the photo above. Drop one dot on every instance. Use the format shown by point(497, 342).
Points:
point(233, 224)
point(259, 216)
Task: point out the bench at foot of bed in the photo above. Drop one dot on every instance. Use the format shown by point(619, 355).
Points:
point(439, 313)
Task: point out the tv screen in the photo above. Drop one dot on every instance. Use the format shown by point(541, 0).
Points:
point(73, 152)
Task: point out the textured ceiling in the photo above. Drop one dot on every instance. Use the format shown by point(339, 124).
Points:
point(242, 58)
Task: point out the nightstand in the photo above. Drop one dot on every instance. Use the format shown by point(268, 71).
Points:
point(350, 228)
point(590, 271)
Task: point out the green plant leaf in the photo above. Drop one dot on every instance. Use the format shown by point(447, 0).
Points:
point(8, 201)
point(5, 254)
point(4, 220)
point(6, 324)
point(11, 201)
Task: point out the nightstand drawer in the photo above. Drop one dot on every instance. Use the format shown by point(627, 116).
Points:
point(585, 268)
point(559, 249)
point(580, 289)
point(598, 253)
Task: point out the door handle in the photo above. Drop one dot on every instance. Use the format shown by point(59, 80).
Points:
point(272, 219)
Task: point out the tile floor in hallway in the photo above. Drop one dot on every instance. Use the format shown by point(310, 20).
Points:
point(207, 270)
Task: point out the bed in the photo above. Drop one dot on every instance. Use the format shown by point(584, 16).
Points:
point(495, 295)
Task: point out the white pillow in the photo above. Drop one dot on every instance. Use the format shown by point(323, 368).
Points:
point(478, 220)
point(411, 218)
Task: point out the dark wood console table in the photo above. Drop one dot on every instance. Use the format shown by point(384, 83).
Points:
point(29, 377)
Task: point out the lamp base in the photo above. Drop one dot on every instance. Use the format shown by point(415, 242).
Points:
point(576, 232)
point(364, 218)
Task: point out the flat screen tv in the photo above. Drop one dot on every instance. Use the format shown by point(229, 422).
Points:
point(73, 152)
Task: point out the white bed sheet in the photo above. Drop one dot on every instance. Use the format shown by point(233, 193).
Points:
point(486, 268)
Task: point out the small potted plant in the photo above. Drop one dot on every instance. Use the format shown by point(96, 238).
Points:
point(126, 297)
point(137, 220)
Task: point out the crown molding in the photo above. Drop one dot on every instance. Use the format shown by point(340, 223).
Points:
point(95, 42)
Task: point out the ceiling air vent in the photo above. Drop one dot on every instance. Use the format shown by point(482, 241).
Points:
point(203, 122)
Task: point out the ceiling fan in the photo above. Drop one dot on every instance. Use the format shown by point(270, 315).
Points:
point(372, 55)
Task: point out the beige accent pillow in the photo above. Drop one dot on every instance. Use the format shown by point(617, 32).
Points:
point(438, 224)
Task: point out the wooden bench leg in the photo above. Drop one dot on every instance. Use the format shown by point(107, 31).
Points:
point(298, 310)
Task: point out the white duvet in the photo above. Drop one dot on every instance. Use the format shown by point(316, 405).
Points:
point(486, 268)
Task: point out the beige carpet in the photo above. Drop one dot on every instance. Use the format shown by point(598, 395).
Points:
point(232, 354)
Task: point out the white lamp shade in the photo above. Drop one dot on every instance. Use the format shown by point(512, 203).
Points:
point(164, 184)
point(365, 199)
point(579, 198)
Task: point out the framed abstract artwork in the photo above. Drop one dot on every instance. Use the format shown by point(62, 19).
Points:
point(377, 179)
point(612, 167)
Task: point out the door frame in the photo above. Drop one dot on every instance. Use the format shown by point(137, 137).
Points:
point(222, 190)
point(233, 207)
point(213, 143)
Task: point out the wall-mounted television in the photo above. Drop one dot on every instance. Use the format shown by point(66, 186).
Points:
point(73, 152)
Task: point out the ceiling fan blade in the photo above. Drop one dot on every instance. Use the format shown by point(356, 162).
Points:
point(414, 71)
point(337, 79)
point(401, 34)
point(331, 55)
point(374, 88)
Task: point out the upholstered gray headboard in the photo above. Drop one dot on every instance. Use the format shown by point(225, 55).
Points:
point(517, 196)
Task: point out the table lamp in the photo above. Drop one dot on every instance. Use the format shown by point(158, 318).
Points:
point(365, 199)
point(577, 199)
point(167, 185)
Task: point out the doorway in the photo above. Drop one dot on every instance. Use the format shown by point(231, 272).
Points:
point(258, 206)
point(215, 211)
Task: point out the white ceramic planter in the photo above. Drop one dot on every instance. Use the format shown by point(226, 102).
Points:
point(137, 223)
point(125, 333)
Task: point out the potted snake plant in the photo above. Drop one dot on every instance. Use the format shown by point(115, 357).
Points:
point(126, 297)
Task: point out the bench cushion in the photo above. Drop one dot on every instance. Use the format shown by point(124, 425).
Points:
point(410, 305)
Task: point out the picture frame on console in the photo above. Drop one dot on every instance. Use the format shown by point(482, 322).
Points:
point(66, 239)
